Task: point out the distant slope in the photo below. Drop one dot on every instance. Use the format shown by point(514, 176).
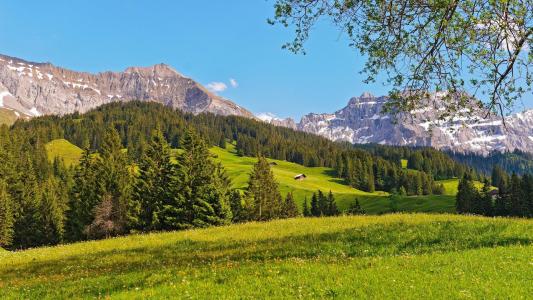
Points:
point(379, 257)
point(239, 168)
point(65, 150)
point(451, 186)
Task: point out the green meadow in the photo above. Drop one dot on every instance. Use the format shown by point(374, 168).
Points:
point(62, 148)
point(319, 178)
point(379, 255)
point(398, 256)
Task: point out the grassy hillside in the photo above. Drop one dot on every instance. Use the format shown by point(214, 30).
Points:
point(69, 152)
point(239, 168)
point(382, 257)
point(404, 163)
point(451, 186)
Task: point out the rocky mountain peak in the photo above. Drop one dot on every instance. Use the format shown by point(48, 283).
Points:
point(158, 70)
point(362, 121)
point(36, 88)
point(365, 99)
point(367, 95)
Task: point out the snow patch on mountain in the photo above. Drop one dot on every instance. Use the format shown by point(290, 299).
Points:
point(55, 90)
point(35, 112)
point(2, 95)
point(363, 122)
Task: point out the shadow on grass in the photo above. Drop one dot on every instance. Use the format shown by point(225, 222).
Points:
point(333, 177)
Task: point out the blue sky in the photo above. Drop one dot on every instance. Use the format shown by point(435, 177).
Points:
point(208, 40)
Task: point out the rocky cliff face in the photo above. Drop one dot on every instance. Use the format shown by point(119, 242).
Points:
point(33, 89)
point(361, 121)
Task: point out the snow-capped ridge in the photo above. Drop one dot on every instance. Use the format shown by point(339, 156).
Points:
point(362, 121)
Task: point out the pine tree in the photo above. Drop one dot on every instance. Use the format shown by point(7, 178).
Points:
point(222, 142)
point(289, 209)
point(263, 192)
point(332, 209)
point(498, 176)
point(237, 208)
point(527, 188)
point(27, 227)
point(486, 206)
point(204, 186)
point(356, 209)
point(402, 192)
point(305, 209)
point(418, 184)
point(460, 198)
point(84, 197)
point(116, 180)
point(6, 216)
point(322, 204)
point(393, 202)
point(439, 189)
point(501, 204)
point(156, 185)
point(315, 209)
point(371, 187)
point(51, 213)
point(467, 195)
point(517, 205)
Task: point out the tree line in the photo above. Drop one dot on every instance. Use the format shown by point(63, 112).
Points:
point(367, 168)
point(514, 196)
point(110, 193)
point(517, 161)
point(127, 180)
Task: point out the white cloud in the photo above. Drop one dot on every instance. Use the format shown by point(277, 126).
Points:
point(233, 83)
point(267, 117)
point(217, 86)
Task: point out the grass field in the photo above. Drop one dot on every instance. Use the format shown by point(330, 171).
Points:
point(239, 168)
point(69, 152)
point(404, 163)
point(382, 257)
point(451, 186)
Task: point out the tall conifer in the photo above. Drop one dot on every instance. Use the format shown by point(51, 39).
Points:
point(156, 186)
point(6, 216)
point(305, 209)
point(315, 208)
point(289, 209)
point(204, 186)
point(84, 197)
point(116, 178)
point(263, 193)
point(332, 209)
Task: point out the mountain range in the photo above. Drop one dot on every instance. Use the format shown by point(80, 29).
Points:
point(29, 89)
point(361, 121)
point(32, 89)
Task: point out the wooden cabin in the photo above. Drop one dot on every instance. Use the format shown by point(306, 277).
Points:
point(300, 177)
